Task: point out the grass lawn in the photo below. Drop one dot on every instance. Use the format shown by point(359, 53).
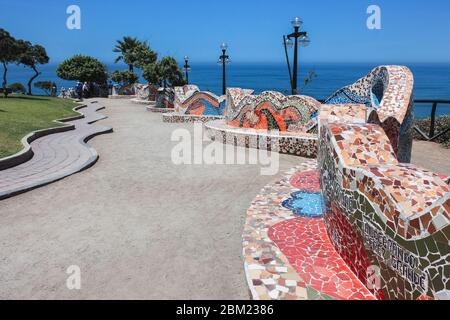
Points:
point(20, 115)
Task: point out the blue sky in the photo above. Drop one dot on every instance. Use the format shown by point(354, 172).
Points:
point(412, 31)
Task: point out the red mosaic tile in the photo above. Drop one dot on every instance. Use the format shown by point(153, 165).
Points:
point(307, 181)
point(306, 245)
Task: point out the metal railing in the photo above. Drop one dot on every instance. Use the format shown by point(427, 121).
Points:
point(432, 135)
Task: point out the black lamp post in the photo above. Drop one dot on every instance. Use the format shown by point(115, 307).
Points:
point(187, 68)
point(287, 41)
point(224, 59)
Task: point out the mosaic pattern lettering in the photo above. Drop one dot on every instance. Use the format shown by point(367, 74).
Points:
point(383, 214)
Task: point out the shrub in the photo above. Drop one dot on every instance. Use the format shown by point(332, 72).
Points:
point(17, 88)
point(124, 77)
point(47, 86)
point(441, 124)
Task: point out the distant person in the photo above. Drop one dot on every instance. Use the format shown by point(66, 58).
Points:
point(63, 92)
point(85, 90)
point(79, 90)
point(54, 89)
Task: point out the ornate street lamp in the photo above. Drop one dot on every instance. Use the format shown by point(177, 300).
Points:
point(224, 59)
point(187, 68)
point(300, 38)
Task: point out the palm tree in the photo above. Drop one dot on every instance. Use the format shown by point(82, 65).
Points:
point(126, 47)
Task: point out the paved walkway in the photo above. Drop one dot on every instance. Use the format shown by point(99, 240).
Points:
point(138, 226)
point(56, 156)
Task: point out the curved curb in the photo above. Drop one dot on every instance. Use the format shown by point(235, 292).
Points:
point(82, 139)
point(185, 118)
point(92, 160)
point(27, 153)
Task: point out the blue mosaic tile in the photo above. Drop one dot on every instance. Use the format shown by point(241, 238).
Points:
point(305, 204)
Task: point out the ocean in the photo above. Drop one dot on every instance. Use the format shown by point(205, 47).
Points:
point(432, 81)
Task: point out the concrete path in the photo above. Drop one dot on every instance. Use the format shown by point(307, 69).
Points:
point(138, 226)
point(56, 155)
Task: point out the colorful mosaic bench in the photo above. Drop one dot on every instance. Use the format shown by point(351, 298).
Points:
point(193, 105)
point(165, 98)
point(387, 91)
point(270, 111)
point(383, 217)
point(269, 121)
point(146, 92)
point(359, 224)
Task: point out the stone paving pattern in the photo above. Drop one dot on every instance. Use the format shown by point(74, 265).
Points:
point(55, 156)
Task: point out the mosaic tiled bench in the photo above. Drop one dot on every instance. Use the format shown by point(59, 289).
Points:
point(159, 110)
point(193, 105)
point(165, 98)
point(145, 94)
point(303, 145)
point(387, 91)
point(382, 216)
point(287, 252)
point(268, 121)
point(373, 228)
point(142, 102)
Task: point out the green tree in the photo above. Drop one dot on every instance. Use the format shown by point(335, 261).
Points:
point(32, 56)
point(164, 73)
point(124, 77)
point(170, 72)
point(143, 55)
point(84, 69)
point(125, 48)
point(134, 53)
point(152, 74)
point(9, 53)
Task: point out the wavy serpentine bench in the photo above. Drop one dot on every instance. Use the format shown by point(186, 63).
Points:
point(56, 156)
point(193, 105)
point(269, 121)
point(382, 216)
point(387, 92)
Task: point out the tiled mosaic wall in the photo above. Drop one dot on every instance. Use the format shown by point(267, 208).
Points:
point(146, 92)
point(388, 93)
point(270, 111)
point(165, 98)
point(189, 100)
point(382, 216)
